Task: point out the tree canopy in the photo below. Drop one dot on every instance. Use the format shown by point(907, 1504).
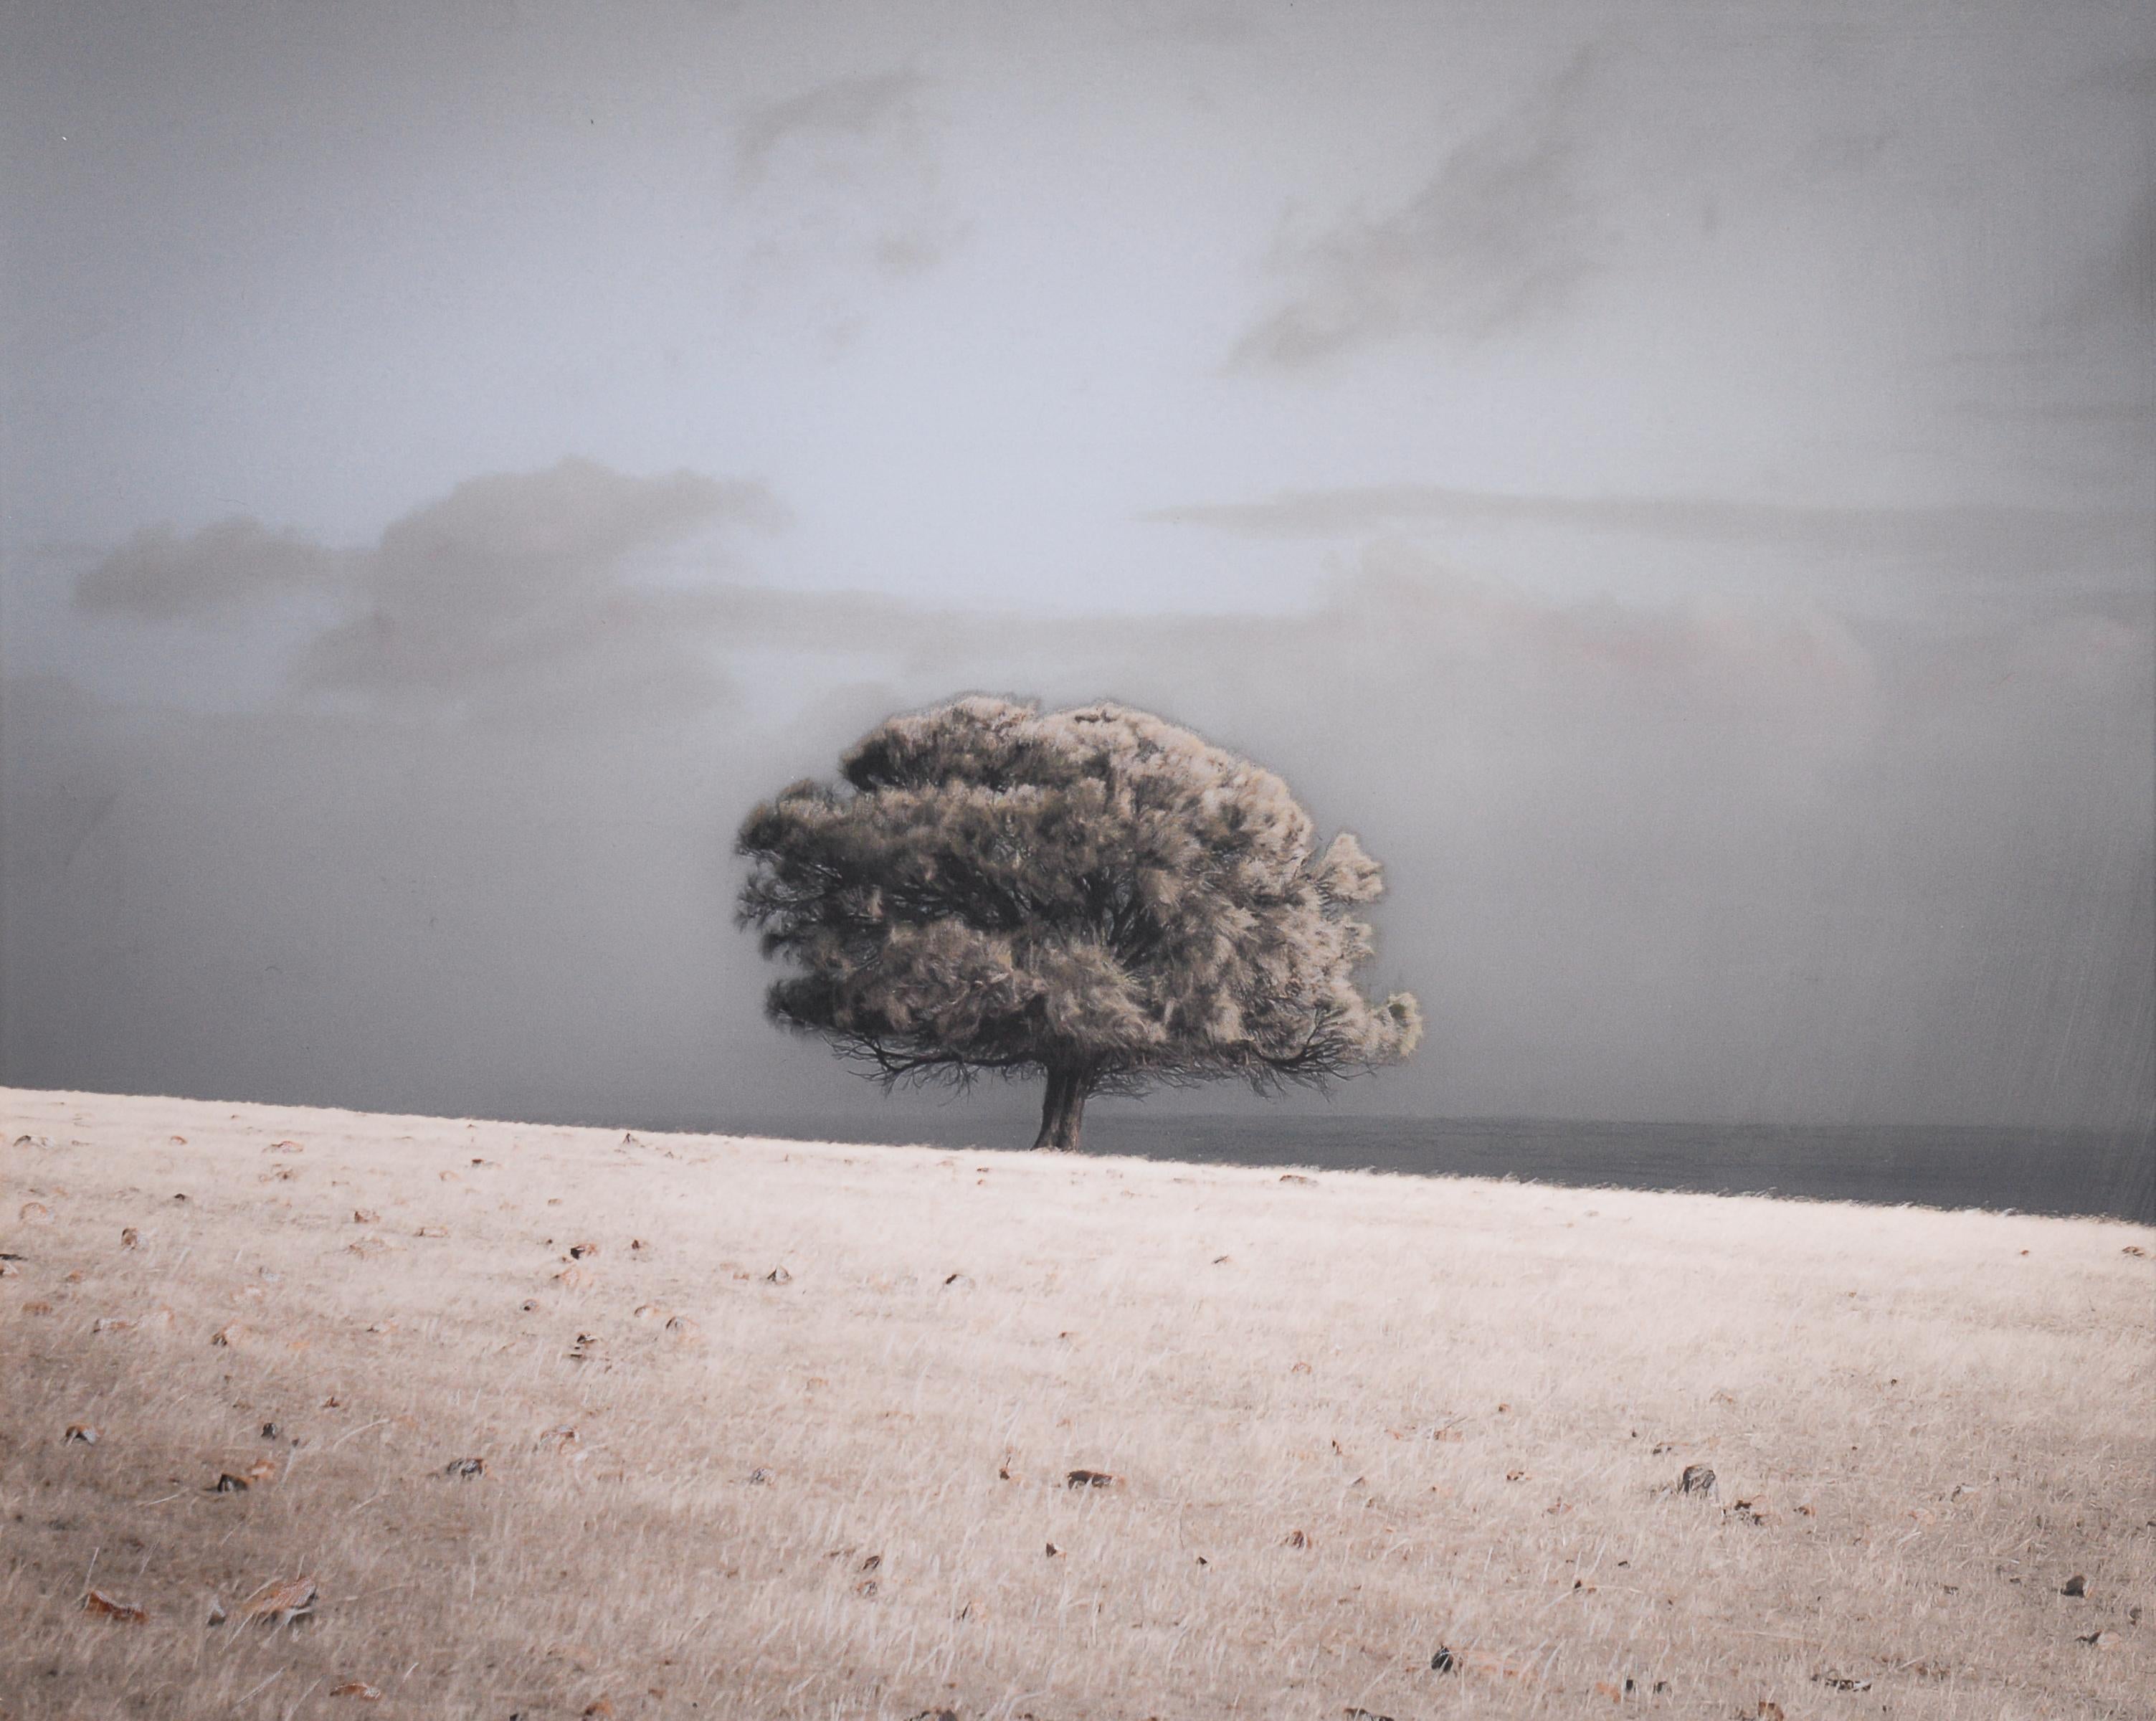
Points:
point(1095, 894)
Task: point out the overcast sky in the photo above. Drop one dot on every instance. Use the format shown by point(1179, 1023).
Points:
point(1680, 479)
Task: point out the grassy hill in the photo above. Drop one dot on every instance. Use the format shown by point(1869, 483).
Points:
point(561, 1423)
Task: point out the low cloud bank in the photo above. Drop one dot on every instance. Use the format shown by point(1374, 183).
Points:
point(517, 596)
point(1708, 860)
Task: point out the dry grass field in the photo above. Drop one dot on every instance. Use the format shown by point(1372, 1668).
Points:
point(793, 1435)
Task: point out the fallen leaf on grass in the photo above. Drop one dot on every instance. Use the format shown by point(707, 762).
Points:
point(1841, 1681)
point(284, 1147)
point(778, 1276)
point(83, 1434)
point(111, 1323)
point(561, 1437)
point(1480, 1662)
point(36, 1308)
point(108, 1607)
point(280, 1603)
point(649, 1311)
point(130, 1238)
point(2075, 1585)
point(1295, 1539)
point(8, 1270)
point(1696, 1479)
point(1294, 1177)
point(357, 1688)
point(681, 1326)
point(576, 1278)
point(432, 1230)
point(1090, 1479)
point(2134, 1249)
point(365, 1216)
point(1053, 1550)
point(229, 1483)
point(260, 1471)
point(598, 1706)
point(465, 1468)
point(1769, 1711)
point(2101, 1639)
point(1355, 1713)
point(35, 1213)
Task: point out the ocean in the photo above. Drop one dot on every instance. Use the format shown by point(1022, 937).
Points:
point(2110, 1174)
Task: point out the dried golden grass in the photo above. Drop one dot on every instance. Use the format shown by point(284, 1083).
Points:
point(797, 1437)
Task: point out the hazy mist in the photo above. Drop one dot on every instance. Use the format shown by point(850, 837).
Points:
point(1677, 484)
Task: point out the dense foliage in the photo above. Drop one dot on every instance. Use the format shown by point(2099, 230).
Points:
point(1095, 894)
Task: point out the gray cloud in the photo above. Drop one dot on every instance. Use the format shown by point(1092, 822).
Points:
point(848, 107)
point(841, 181)
point(1500, 235)
point(516, 596)
point(158, 575)
point(1971, 539)
point(516, 592)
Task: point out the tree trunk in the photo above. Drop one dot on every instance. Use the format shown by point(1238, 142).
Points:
point(1063, 1109)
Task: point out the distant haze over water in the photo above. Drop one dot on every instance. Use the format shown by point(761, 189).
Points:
point(2101, 1173)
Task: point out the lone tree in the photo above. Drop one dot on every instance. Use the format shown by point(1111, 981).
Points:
point(1095, 894)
